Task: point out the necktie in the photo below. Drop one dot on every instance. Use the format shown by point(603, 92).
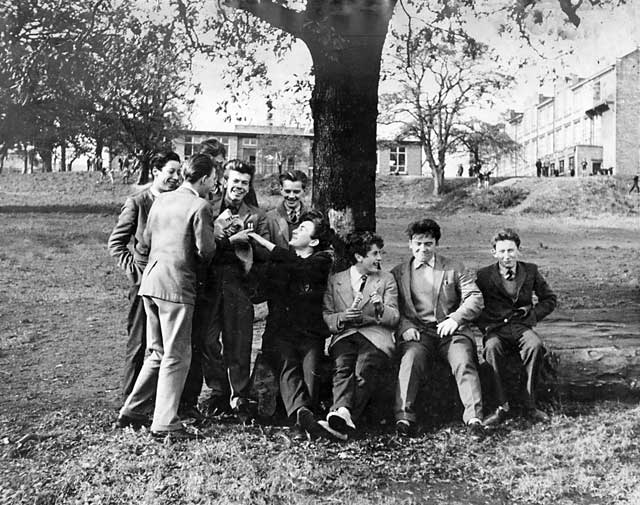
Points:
point(293, 216)
point(363, 283)
point(509, 275)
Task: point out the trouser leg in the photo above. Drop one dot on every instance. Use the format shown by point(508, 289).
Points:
point(344, 354)
point(371, 363)
point(460, 353)
point(175, 324)
point(209, 331)
point(414, 356)
point(193, 384)
point(136, 341)
point(495, 351)
point(531, 353)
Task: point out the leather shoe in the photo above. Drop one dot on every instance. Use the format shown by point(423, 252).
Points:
point(176, 435)
point(405, 428)
point(190, 415)
point(537, 415)
point(496, 418)
point(245, 410)
point(306, 421)
point(124, 421)
point(475, 430)
point(216, 406)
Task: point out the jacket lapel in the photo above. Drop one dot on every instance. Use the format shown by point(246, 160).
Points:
point(281, 221)
point(405, 287)
point(343, 287)
point(496, 278)
point(438, 277)
point(521, 275)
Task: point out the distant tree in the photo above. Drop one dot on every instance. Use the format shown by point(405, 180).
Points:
point(486, 142)
point(286, 147)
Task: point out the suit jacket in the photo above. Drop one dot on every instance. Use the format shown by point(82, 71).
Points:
point(180, 238)
point(457, 296)
point(339, 297)
point(279, 226)
point(500, 307)
point(244, 255)
point(131, 224)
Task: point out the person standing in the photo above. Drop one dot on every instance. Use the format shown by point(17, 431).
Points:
point(180, 238)
point(165, 168)
point(508, 318)
point(361, 311)
point(438, 298)
point(635, 184)
point(296, 282)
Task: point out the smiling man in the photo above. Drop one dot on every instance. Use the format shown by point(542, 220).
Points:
point(508, 319)
point(437, 299)
point(361, 311)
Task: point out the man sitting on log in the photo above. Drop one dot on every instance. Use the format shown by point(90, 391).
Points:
point(508, 319)
point(437, 298)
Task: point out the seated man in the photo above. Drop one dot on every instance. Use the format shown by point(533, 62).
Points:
point(509, 316)
point(296, 282)
point(437, 298)
point(360, 309)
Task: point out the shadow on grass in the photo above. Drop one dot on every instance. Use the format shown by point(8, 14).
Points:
point(63, 209)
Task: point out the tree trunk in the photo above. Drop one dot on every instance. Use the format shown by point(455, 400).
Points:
point(438, 180)
point(25, 168)
point(145, 159)
point(97, 164)
point(344, 106)
point(63, 157)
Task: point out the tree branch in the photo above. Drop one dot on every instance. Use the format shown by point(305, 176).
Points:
point(276, 15)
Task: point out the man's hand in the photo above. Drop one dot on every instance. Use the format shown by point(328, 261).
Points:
point(351, 315)
point(378, 305)
point(411, 334)
point(447, 327)
point(241, 236)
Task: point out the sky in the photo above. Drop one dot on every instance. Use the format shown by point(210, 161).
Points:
point(603, 35)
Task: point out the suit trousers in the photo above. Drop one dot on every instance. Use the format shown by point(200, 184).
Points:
point(165, 370)
point(232, 317)
point(415, 359)
point(358, 365)
point(299, 379)
point(136, 341)
point(514, 339)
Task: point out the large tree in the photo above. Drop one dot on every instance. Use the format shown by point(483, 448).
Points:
point(345, 39)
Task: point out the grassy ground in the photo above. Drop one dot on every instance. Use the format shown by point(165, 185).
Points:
point(62, 334)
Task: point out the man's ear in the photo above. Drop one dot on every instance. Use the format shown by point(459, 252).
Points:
point(314, 242)
point(358, 257)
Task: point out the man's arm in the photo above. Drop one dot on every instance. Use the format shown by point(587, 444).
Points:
point(547, 299)
point(390, 314)
point(204, 234)
point(118, 243)
point(329, 312)
point(471, 300)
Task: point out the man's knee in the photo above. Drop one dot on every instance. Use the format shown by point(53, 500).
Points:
point(413, 355)
point(530, 341)
point(493, 346)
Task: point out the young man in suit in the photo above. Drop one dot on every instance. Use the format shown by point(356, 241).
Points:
point(165, 168)
point(361, 311)
point(179, 237)
point(296, 282)
point(509, 316)
point(437, 299)
point(232, 311)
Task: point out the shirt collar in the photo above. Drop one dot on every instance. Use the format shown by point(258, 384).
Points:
point(154, 192)
point(419, 264)
point(503, 270)
point(192, 190)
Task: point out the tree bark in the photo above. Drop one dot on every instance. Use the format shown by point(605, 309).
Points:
point(143, 176)
point(63, 157)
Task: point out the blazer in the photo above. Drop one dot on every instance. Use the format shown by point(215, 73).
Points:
point(131, 224)
point(500, 308)
point(279, 226)
point(339, 297)
point(457, 295)
point(181, 243)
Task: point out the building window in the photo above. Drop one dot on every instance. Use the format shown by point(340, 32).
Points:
point(596, 92)
point(250, 142)
point(572, 166)
point(189, 146)
point(561, 166)
point(398, 160)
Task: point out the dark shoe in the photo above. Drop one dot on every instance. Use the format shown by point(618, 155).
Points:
point(307, 421)
point(498, 417)
point(190, 415)
point(131, 422)
point(245, 410)
point(405, 428)
point(340, 420)
point(537, 415)
point(332, 434)
point(216, 406)
point(176, 435)
point(475, 430)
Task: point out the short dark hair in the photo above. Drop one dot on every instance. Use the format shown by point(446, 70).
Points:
point(294, 176)
point(321, 229)
point(361, 242)
point(239, 166)
point(506, 234)
point(424, 227)
point(197, 167)
point(161, 158)
point(212, 147)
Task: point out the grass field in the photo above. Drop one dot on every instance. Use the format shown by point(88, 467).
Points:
point(62, 320)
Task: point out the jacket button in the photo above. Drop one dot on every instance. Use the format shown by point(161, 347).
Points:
point(506, 320)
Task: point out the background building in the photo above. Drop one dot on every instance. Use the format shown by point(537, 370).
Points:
point(589, 126)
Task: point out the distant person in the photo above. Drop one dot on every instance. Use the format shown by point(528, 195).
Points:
point(438, 298)
point(584, 167)
point(538, 168)
point(572, 172)
point(361, 311)
point(635, 184)
point(180, 239)
point(165, 168)
point(296, 282)
point(460, 170)
point(508, 318)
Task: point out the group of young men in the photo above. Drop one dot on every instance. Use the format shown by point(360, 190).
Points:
point(204, 253)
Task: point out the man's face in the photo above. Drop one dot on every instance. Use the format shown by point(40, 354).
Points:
point(422, 247)
point(168, 178)
point(236, 186)
point(302, 236)
point(372, 261)
point(292, 192)
point(506, 252)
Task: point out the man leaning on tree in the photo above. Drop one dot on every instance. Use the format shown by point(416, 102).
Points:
point(508, 319)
